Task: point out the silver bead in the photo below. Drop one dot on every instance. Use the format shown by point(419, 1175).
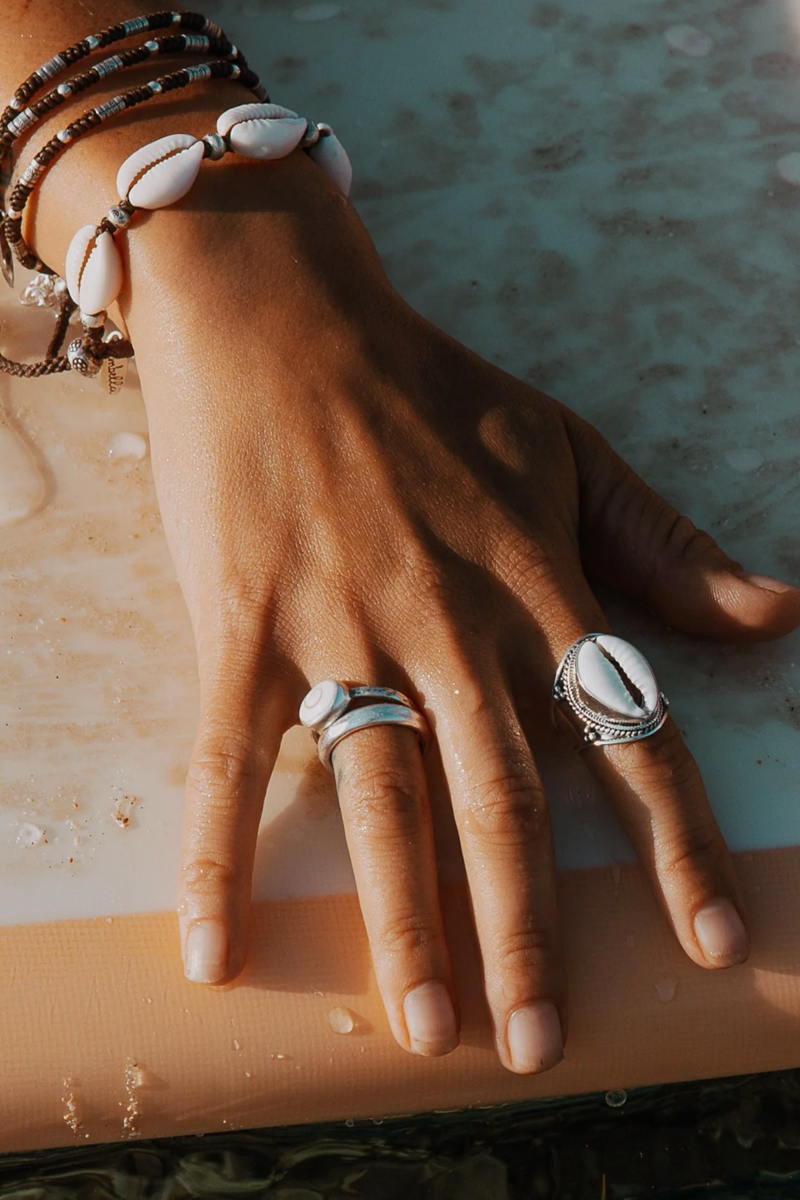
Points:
point(119, 217)
point(152, 46)
point(92, 42)
point(235, 71)
point(64, 89)
point(215, 147)
point(93, 320)
point(79, 360)
point(311, 135)
point(64, 135)
point(155, 87)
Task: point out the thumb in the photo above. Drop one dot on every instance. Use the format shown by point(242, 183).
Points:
point(635, 541)
point(242, 720)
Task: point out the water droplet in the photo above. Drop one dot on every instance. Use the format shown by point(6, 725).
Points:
point(109, 920)
point(29, 835)
point(687, 39)
point(22, 486)
point(744, 461)
point(789, 167)
point(666, 988)
point(127, 445)
point(349, 1122)
point(616, 1099)
point(147, 999)
point(237, 1045)
point(342, 1020)
point(248, 1074)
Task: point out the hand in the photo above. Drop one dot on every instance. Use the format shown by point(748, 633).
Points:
point(347, 493)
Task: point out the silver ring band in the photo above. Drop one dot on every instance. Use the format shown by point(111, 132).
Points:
point(331, 699)
point(605, 691)
point(363, 718)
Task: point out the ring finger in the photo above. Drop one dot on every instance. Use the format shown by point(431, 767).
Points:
point(384, 801)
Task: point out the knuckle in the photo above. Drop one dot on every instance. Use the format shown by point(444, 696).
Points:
point(381, 800)
point(523, 952)
point(208, 874)
point(220, 773)
point(688, 851)
point(405, 936)
point(664, 764)
point(507, 807)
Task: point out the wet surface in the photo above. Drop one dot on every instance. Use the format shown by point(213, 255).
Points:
point(736, 1139)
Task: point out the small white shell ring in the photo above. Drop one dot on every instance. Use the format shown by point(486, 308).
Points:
point(606, 692)
point(333, 711)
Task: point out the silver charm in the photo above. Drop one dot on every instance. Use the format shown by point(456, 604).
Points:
point(80, 361)
point(113, 371)
point(606, 692)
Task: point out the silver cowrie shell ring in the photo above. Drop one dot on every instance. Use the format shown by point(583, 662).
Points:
point(606, 692)
point(332, 711)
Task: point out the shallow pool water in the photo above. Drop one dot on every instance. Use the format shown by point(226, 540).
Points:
point(737, 1139)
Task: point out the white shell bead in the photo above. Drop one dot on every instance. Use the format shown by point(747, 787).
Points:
point(93, 270)
point(76, 255)
point(330, 154)
point(264, 139)
point(326, 700)
point(599, 676)
point(250, 112)
point(162, 172)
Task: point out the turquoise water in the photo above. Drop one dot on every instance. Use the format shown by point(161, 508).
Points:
point(737, 1139)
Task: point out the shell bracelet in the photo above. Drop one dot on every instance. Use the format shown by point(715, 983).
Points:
point(160, 174)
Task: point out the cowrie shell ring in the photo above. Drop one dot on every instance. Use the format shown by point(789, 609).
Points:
point(333, 711)
point(606, 692)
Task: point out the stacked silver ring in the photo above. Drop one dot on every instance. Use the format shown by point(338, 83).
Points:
point(332, 711)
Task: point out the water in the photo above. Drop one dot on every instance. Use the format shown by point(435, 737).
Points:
point(342, 1020)
point(735, 1139)
point(666, 988)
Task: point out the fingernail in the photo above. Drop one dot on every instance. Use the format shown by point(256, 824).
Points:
point(206, 955)
point(767, 582)
point(430, 1019)
point(721, 933)
point(535, 1042)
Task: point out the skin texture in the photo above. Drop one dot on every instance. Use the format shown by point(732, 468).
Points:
point(348, 493)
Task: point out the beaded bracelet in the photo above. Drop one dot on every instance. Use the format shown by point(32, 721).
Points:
point(160, 174)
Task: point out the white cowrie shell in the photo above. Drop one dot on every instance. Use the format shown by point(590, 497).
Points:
point(599, 676)
point(635, 666)
point(76, 256)
point(162, 172)
point(325, 701)
point(93, 270)
point(330, 154)
point(250, 112)
point(267, 139)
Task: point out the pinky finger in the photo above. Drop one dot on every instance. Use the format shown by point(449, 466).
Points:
point(235, 750)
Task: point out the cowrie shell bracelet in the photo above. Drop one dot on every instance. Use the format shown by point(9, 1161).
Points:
point(162, 173)
point(155, 176)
